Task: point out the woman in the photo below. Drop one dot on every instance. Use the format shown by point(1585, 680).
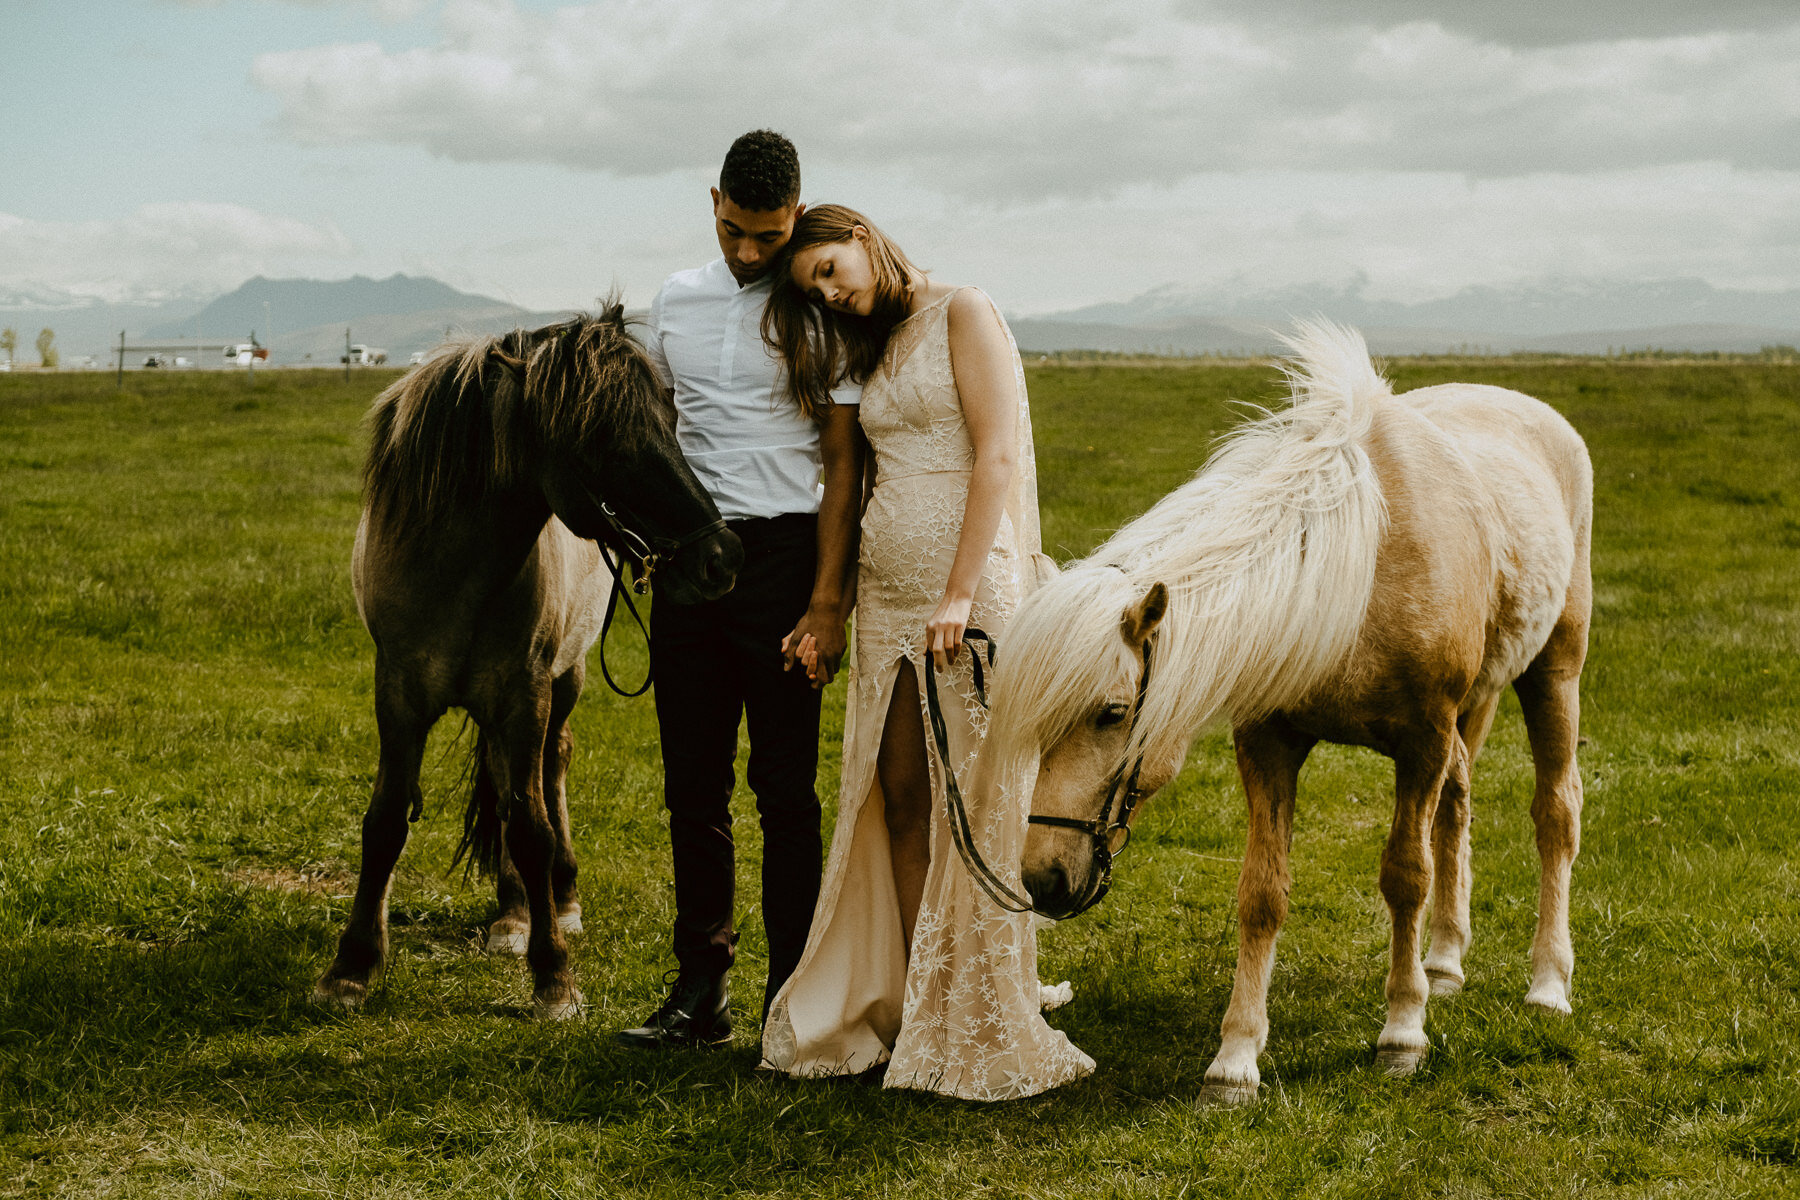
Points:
point(909, 962)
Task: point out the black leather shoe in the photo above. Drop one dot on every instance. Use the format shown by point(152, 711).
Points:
point(696, 1014)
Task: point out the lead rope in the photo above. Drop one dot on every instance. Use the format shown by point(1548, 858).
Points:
point(612, 605)
point(997, 889)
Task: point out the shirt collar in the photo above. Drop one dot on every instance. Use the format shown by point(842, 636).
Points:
point(722, 273)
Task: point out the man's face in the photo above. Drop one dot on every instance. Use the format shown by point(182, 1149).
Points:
point(750, 240)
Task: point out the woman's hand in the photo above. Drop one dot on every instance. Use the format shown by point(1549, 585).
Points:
point(944, 632)
point(802, 649)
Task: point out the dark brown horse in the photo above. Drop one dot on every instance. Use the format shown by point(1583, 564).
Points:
point(489, 468)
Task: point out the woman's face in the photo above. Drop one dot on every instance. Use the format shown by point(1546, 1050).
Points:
point(838, 274)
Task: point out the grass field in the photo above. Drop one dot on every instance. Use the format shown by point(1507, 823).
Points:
point(186, 746)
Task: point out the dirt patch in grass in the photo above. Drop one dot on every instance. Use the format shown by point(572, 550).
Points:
point(305, 881)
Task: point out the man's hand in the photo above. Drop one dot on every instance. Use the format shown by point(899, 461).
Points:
point(816, 644)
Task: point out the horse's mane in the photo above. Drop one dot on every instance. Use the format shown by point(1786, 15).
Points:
point(1269, 557)
point(469, 420)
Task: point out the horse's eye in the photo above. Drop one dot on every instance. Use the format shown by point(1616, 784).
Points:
point(1112, 714)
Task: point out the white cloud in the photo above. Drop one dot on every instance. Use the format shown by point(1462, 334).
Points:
point(999, 101)
point(1521, 22)
point(390, 12)
point(158, 252)
point(1414, 236)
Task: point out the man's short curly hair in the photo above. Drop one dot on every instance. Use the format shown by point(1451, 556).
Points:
point(761, 172)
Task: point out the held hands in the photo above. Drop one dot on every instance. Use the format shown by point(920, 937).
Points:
point(944, 632)
point(817, 644)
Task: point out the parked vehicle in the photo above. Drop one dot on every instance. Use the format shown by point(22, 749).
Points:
point(245, 353)
point(364, 356)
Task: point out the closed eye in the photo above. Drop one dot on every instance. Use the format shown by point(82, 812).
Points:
point(1111, 714)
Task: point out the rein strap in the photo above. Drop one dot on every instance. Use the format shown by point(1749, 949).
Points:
point(997, 889)
point(1122, 792)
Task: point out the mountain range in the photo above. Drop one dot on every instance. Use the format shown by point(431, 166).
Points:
point(304, 320)
point(301, 320)
point(1569, 316)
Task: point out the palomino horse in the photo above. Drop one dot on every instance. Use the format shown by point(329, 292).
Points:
point(1360, 568)
point(488, 466)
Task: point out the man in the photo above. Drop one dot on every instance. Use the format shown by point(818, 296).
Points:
point(789, 488)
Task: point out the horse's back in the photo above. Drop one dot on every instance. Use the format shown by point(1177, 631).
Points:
point(1508, 436)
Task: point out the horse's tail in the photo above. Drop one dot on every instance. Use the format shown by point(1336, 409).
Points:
point(483, 828)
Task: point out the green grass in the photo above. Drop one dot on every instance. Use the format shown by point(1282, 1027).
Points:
point(186, 745)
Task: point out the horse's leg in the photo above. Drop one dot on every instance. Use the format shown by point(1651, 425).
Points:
point(1269, 761)
point(1420, 769)
point(1450, 933)
point(531, 841)
point(511, 930)
point(559, 748)
point(362, 949)
point(1550, 695)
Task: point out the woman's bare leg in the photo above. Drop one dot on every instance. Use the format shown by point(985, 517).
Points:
point(905, 780)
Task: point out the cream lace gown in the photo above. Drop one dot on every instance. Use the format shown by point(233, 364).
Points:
point(963, 1017)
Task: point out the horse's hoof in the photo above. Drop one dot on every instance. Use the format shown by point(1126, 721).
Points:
point(1222, 1093)
point(345, 994)
point(569, 921)
point(1549, 999)
point(1444, 983)
point(1399, 1060)
point(560, 1004)
point(506, 941)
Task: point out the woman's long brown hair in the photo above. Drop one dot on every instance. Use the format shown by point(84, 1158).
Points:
point(820, 347)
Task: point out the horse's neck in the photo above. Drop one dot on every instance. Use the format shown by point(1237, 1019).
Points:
point(478, 547)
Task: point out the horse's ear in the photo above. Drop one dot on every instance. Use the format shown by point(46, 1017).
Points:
point(1142, 618)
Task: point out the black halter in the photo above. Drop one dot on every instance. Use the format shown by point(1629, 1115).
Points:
point(646, 552)
point(1111, 831)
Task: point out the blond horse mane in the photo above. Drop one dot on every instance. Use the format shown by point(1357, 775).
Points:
point(1269, 557)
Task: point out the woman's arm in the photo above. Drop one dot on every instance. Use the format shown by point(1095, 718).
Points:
point(805, 649)
point(818, 640)
point(982, 362)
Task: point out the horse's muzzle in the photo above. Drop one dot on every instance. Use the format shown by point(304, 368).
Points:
point(705, 570)
point(1056, 896)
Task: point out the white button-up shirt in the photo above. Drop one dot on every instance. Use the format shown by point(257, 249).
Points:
point(744, 437)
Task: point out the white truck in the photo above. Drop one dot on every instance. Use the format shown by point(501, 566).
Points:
point(364, 356)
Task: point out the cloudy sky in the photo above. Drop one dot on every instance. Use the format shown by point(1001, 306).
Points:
point(1058, 153)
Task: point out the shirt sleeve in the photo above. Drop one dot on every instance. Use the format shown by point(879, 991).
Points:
point(653, 344)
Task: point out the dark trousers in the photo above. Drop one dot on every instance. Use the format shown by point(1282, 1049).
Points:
point(713, 662)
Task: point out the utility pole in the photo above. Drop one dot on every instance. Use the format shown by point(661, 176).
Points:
point(121, 359)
